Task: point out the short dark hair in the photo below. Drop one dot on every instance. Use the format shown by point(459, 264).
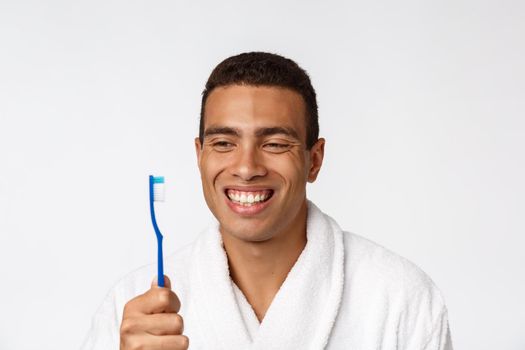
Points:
point(265, 69)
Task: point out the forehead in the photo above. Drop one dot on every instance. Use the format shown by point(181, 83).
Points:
point(251, 107)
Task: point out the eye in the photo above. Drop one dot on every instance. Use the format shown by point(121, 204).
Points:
point(222, 146)
point(276, 147)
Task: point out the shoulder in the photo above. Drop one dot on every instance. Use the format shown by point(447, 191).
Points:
point(138, 281)
point(380, 274)
point(104, 332)
point(382, 286)
point(365, 256)
point(390, 275)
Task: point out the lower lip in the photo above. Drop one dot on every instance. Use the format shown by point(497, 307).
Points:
point(247, 210)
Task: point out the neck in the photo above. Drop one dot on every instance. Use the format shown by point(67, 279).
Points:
point(260, 268)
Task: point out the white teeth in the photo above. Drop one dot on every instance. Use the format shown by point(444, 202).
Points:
point(247, 198)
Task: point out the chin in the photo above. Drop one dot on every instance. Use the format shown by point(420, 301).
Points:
point(246, 233)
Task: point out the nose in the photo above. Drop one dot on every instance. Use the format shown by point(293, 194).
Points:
point(248, 163)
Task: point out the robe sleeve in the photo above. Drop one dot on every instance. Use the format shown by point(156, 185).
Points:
point(440, 338)
point(105, 330)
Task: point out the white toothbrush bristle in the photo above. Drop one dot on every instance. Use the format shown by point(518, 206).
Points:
point(158, 192)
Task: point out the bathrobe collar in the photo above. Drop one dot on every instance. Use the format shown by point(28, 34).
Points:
point(303, 311)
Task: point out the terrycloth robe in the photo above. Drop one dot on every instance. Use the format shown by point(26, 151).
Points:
point(343, 292)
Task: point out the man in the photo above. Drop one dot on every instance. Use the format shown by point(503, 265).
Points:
point(274, 272)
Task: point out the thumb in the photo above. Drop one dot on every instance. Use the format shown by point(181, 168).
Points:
point(155, 283)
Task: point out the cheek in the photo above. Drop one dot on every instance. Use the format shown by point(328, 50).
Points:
point(291, 169)
point(211, 167)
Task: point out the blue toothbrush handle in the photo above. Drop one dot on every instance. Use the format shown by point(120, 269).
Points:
point(160, 260)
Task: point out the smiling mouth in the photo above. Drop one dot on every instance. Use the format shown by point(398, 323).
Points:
point(248, 198)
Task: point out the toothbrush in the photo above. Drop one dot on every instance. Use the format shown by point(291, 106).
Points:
point(156, 194)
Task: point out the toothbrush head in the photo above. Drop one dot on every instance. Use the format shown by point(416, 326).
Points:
point(158, 188)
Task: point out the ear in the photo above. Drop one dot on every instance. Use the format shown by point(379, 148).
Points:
point(198, 151)
point(316, 159)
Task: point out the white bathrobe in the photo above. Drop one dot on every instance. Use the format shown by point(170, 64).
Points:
point(344, 292)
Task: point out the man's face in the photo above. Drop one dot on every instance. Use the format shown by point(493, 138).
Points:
point(253, 162)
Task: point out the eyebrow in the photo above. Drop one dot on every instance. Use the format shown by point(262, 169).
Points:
point(222, 130)
point(260, 132)
point(277, 130)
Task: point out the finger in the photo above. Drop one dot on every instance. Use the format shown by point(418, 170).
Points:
point(155, 342)
point(156, 324)
point(155, 283)
point(154, 301)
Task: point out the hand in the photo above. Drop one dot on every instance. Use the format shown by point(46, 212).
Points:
point(150, 321)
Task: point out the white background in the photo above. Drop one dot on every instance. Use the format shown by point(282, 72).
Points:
point(422, 104)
